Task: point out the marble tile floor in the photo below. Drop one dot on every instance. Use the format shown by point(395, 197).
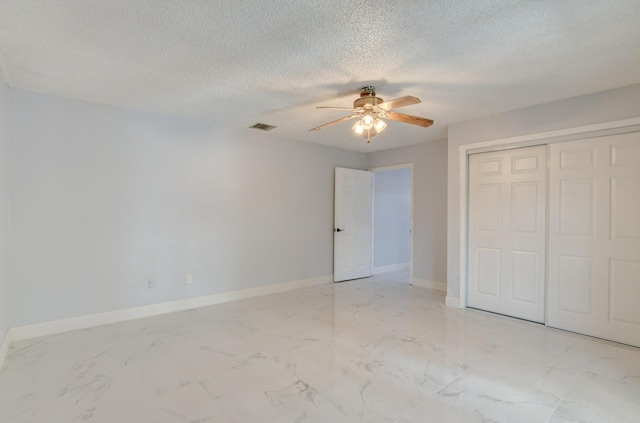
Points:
point(370, 350)
point(402, 276)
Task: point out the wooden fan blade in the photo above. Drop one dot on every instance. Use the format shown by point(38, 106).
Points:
point(333, 122)
point(407, 100)
point(413, 120)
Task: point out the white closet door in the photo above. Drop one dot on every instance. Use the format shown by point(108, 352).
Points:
point(594, 237)
point(507, 232)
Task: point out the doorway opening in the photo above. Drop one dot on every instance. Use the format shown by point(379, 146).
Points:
point(392, 246)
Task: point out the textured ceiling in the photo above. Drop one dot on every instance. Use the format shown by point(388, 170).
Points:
point(273, 61)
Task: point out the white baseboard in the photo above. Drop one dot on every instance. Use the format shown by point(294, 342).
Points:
point(4, 348)
point(390, 268)
point(424, 283)
point(452, 302)
point(81, 322)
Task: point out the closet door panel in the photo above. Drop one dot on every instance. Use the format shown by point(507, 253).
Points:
point(594, 237)
point(507, 193)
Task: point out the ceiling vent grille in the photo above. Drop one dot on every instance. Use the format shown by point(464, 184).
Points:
point(262, 126)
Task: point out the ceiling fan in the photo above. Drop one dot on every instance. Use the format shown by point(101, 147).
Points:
point(371, 110)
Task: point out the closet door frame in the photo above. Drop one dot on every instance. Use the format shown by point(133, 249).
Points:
point(542, 138)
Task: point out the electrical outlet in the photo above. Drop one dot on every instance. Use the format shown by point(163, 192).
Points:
point(150, 283)
point(188, 279)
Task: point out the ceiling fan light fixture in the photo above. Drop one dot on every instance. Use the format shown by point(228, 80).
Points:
point(369, 126)
point(367, 121)
point(379, 125)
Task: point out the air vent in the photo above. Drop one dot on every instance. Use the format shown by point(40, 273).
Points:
point(262, 126)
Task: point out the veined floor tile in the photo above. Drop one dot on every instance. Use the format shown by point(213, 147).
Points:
point(369, 350)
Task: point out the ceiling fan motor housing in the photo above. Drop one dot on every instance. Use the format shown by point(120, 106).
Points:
point(367, 97)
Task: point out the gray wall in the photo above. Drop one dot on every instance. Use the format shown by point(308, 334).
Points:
point(5, 322)
point(391, 217)
point(429, 203)
point(103, 198)
point(606, 106)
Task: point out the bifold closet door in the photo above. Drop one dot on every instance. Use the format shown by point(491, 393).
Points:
point(594, 237)
point(507, 232)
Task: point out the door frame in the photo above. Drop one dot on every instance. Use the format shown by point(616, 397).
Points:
point(549, 137)
point(411, 237)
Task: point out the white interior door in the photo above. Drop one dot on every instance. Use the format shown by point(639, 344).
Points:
point(507, 232)
point(594, 237)
point(352, 224)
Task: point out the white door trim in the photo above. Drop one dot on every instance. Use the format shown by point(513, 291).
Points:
point(531, 139)
point(411, 238)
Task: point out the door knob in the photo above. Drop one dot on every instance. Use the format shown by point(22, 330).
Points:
point(339, 230)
